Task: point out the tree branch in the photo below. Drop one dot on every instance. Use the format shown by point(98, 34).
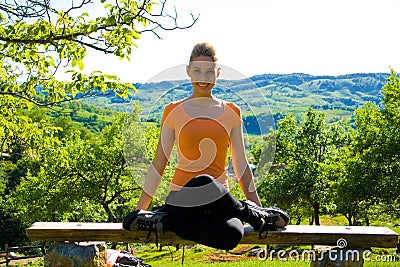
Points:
point(53, 38)
point(84, 2)
point(50, 104)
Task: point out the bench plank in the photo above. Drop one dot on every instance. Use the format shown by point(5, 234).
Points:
point(355, 236)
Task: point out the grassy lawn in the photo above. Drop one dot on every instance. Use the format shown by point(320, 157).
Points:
point(201, 256)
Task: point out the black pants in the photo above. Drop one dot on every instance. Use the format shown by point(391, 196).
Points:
point(205, 212)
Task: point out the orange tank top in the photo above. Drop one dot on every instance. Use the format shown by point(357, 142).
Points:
point(202, 143)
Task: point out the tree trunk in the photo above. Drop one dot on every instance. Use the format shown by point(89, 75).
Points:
point(316, 213)
point(348, 217)
point(298, 220)
point(111, 216)
point(366, 220)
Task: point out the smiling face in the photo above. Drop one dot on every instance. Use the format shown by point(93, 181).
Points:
point(203, 73)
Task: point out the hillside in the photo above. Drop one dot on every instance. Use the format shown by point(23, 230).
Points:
point(274, 94)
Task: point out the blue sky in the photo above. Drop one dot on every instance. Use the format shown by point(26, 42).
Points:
point(318, 37)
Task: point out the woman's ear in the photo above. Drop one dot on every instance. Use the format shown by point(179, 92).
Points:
point(187, 70)
point(218, 71)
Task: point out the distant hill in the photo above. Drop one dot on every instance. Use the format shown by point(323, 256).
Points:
point(274, 94)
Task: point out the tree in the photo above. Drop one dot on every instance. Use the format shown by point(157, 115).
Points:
point(85, 180)
point(39, 38)
point(373, 162)
point(391, 159)
point(305, 163)
point(12, 232)
point(355, 188)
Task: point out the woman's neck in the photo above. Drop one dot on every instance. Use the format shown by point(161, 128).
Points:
point(207, 107)
point(205, 101)
point(202, 97)
point(196, 95)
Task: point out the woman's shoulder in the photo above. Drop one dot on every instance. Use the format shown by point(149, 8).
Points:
point(168, 112)
point(173, 105)
point(232, 106)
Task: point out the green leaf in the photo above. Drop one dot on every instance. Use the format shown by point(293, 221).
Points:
point(80, 65)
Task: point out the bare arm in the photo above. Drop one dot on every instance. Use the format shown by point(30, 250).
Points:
point(241, 166)
point(157, 167)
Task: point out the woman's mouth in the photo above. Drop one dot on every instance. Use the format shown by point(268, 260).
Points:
point(203, 85)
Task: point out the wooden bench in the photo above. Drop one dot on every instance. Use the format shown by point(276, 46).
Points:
point(355, 237)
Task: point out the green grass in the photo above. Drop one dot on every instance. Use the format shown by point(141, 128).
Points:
point(199, 256)
point(202, 256)
point(252, 263)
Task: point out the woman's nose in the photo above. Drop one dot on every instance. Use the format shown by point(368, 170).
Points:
point(201, 76)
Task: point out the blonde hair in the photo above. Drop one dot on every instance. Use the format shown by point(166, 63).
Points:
point(203, 49)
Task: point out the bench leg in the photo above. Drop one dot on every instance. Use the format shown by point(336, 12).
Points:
point(76, 255)
point(339, 257)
